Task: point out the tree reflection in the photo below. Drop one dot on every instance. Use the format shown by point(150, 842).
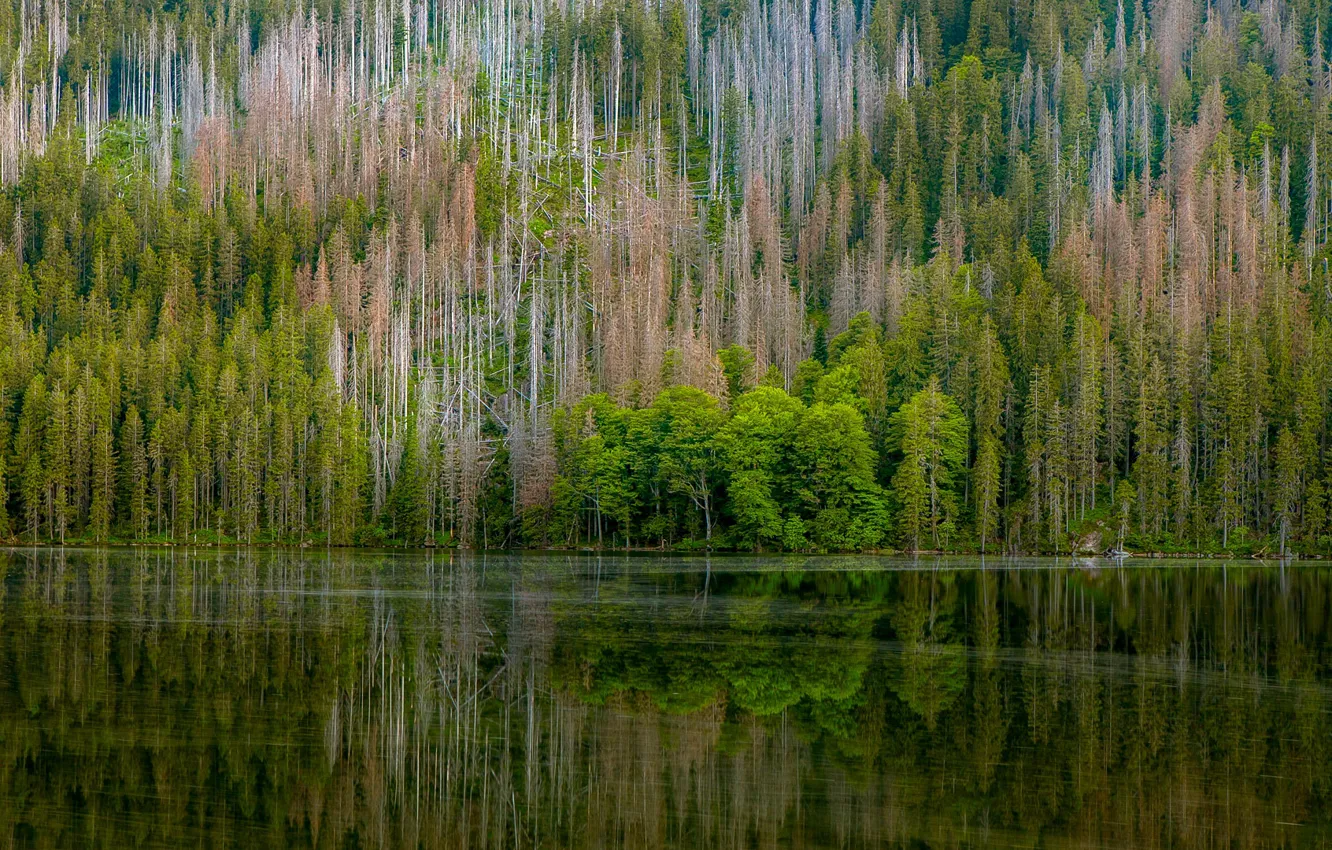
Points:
point(167, 697)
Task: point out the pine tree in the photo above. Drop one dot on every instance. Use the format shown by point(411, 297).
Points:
point(28, 446)
point(1289, 487)
point(405, 507)
point(4, 483)
point(991, 392)
point(986, 472)
point(1087, 418)
point(103, 468)
point(1125, 495)
point(1314, 527)
point(1034, 431)
point(134, 473)
point(56, 452)
point(931, 433)
point(1152, 467)
point(1058, 468)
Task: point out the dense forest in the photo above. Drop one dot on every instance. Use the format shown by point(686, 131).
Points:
point(815, 275)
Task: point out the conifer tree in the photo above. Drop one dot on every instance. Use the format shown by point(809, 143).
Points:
point(1151, 470)
point(134, 473)
point(991, 391)
point(28, 446)
point(1289, 487)
point(931, 432)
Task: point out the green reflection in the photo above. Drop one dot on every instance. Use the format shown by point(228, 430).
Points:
point(275, 699)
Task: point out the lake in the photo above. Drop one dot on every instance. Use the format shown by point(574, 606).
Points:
point(173, 697)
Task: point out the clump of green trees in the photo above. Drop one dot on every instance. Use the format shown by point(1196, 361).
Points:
point(369, 273)
point(771, 474)
point(762, 469)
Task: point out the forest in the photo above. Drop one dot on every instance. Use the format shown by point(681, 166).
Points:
point(806, 275)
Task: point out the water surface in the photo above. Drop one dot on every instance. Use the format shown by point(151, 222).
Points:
point(172, 698)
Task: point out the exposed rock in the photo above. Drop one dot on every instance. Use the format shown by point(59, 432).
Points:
point(1088, 544)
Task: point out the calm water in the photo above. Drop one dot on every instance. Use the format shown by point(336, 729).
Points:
point(161, 698)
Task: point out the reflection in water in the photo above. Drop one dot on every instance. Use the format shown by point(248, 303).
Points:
point(169, 698)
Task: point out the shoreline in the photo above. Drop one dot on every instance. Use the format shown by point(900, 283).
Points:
point(664, 552)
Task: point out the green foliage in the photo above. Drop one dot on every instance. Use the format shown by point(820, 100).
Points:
point(840, 500)
point(738, 369)
point(931, 433)
point(1046, 252)
point(405, 509)
point(756, 447)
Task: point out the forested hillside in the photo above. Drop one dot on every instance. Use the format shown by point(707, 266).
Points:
point(800, 274)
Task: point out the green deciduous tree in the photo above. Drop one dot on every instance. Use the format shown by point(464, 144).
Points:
point(757, 449)
point(685, 422)
point(834, 466)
